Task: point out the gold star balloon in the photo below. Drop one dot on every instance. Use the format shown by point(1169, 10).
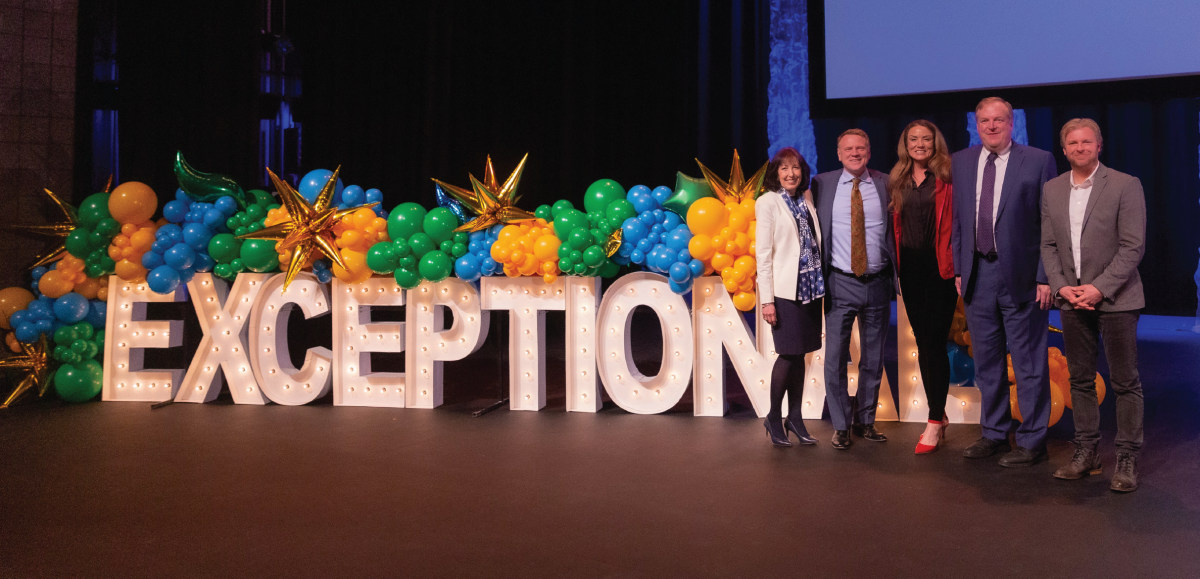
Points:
point(60, 230)
point(492, 202)
point(33, 363)
point(309, 227)
point(737, 188)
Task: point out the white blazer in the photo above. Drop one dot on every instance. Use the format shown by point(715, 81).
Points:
point(777, 245)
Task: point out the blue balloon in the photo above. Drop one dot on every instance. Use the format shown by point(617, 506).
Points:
point(374, 196)
point(683, 256)
point(97, 313)
point(186, 274)
point(181, 195)
point(680, 288)
point(152, 259)
point(647, 218)
point(70, 308)
point(175, 211)
point(672, 221)
point(678, 237)
point(311, 184)
point(17, 318)
point(644, 245)
point(633, 230)
point(666, 256)
point(27, 332)
point(226, 205)
point(214, 218)
point(163, 279)
point(44, 326)
point(353, 196)
point(40, 309)
point(697, 267)
point(203, 262)
point(38, 272)
point(659, 215)
point(169, 231)
point(467, 267)
point(638, 257)
point(488, 266)
point(656, 228)
point(160, 246)
point(196, 236)
point(180, 257)
point(662, 193)
point(324, 276)
point(680, 273)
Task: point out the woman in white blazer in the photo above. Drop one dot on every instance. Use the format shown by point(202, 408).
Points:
point(790, 284)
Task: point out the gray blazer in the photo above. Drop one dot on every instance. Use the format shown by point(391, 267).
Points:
point(1111, 245)
point(824, 189)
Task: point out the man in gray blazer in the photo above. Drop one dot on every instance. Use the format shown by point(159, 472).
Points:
point(1093, 237)
point(859, 259)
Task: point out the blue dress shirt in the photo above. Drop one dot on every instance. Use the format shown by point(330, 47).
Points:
point(873, 213)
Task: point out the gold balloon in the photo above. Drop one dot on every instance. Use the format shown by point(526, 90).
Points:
point(737, 188)
point(60, 229)
point(492, 202)
point(33, 365)
point(308, 228)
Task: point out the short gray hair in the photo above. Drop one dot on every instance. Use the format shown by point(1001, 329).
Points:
point(1076, 124)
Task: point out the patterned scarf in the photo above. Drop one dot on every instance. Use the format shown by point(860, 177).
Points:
point(810, 283)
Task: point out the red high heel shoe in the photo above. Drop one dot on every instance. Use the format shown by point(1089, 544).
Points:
point(923, 448)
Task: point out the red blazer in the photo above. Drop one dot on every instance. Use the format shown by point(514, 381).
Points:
point(943, 195)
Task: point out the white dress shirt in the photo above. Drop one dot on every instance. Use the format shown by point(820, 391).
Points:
point(876, 228)
point(1080, 192)
point(1001, 166)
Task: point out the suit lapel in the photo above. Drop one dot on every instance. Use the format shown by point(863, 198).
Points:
point(880, 192)
point(1015, 157)
point(1098, 183)
point(970, 190)
point(1061, 205)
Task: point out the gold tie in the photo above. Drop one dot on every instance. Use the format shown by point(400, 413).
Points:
point(858, 231)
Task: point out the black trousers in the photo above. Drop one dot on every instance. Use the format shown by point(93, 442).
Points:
point(1082, 331)
point(930, 302)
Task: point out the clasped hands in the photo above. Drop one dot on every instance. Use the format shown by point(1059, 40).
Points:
point(1083, 297)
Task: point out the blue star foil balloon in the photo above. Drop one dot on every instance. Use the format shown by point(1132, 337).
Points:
point(444, 200)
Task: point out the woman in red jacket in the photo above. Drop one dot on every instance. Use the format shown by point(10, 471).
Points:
point(920, 202)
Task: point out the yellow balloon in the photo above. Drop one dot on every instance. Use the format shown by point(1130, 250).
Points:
point(132, 202)
point(1100, 389)
point(54, 285)
point(13, 299)
point(356, 270)
point(706, 216)
point(549, 278)
point(1012, 401)
point(90, 287)
point(739, 221)
point(130, 270)
point(701, 247)
point(546, 248)
point(731, 285)
point(743, 301)
point(529, 266)
point(745, 264)
point(721, 261)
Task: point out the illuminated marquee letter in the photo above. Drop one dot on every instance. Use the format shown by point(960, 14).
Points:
point(430, 344)
point(355, 336)
point(720, 326)
point(126, 334)
point(583, 381)
point(223, 313)
point(963, 403)
point(279, 380)
point(527, 299)
point(628, 387)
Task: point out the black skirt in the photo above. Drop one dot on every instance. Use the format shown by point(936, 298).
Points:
point(797, 328)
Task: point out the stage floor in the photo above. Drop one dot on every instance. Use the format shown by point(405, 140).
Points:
point(218, 490)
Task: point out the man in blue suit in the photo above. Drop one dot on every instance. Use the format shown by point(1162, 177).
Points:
point(859, 256)
point(996, 238)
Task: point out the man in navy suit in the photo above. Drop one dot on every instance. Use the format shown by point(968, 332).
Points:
point(997, 256)
point(859, 256)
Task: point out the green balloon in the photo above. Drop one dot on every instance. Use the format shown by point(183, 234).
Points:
point(594, 256)
point(254, 213)
point(576, 256)
point(78, 382)
point(543, 212)
point(580, 268)
point(435, 266)
point(80, 346)
point(223, 271)
point(259, 256)
point(567, 221)
point(99, 340)
point(566, 265)
point(600, 194)
point(381, 259)
point(564, 251)
point(77, 243)
point(401, 248)
point(462, 237)
point(408, 262)
point(93, 210)
point(421, 243)
point(458, 250)
point(609, 269)
point(224, 247)
point(65, 335)
point(687, 191)
point(69, 356)
point(579, 238)
point(59, 352)
point(259, 197)
point(92, 350)
point(405, 220)
point(446, 246)
point(440, 223)
point(84, 330)
point(407, 278)
point(560, 206)
point(108, 227)
point(618, 211)
point(206, 187)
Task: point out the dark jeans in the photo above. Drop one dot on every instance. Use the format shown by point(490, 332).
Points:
point(930, 302)
point(1082, 331)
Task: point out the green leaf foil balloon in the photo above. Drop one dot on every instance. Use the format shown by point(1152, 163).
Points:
point(206, 187)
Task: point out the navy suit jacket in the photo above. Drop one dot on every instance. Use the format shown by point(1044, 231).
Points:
point(1018, 219)
point(824, 189)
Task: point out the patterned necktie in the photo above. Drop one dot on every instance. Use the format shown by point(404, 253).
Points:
point(985, 238)
point(858, 231)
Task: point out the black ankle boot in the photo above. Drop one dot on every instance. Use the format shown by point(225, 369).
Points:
point(775, 431)
point(796, 426)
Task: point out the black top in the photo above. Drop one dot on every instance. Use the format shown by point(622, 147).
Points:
point(918, 222)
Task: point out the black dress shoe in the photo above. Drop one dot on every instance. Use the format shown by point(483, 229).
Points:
point(1085, 462)
point(985, 447)
point(797, 427)
point(1125, 480)
point(841, 439)
point(868, 432)
point(1022, 456)
point(775, 431)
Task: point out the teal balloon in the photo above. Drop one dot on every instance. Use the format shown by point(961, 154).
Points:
point(407, 278)
point(421, 243)
point(440, 223)
point(79, 382)
point(381, 259)
point(206, 187)
point(567, 221)
point(435, 266)
point(687, 191)
point(600, 194)
point(405, 220)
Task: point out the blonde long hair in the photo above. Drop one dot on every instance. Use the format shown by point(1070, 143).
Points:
point(900, 179)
